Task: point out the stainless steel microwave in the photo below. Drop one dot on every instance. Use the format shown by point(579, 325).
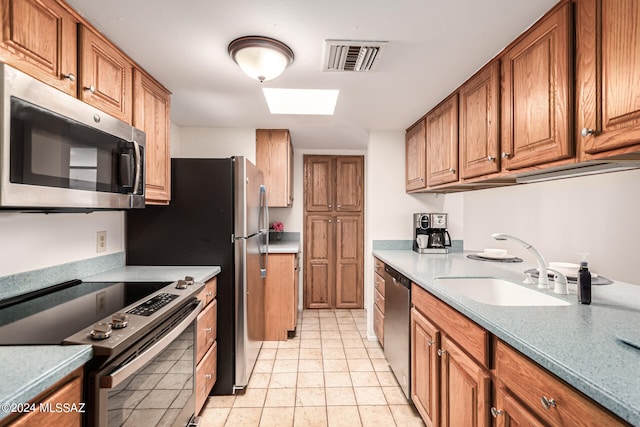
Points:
point(58, 153)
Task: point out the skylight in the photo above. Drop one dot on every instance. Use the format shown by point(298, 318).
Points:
point(301, 101)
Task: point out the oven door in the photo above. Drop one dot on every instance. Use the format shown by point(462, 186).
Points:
point(151, 383)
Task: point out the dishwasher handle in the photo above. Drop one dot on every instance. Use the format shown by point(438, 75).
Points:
point(397, 277)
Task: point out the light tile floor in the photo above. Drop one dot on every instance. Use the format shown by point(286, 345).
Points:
point(329, 374)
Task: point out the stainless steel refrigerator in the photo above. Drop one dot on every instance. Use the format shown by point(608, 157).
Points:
point(218, 215)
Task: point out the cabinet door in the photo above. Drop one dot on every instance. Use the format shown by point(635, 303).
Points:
point(349, 184)
point(425, 379)
point(464, 388)
point(509, 412)
point(608, 74)
point(378, 324)
point(274, 157)
point(279, 306)
point(105, 76)
point(536, 103)
point(442, 142)
point(416, 157)
point(39, 38)
point(479, 123)
point(349, 260)
point(151, 114)
point(319, 261)
point(318, 183)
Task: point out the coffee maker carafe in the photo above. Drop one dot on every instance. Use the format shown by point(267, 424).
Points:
point(430, 233)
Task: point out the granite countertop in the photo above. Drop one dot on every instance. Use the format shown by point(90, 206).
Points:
point(578, 343)
point(27, 371)
point(143, 273)
point(284, 246)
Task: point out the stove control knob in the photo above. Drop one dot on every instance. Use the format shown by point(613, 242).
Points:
point(119, 320)
point(182, 284)
point(101, 331)
point(189, 280)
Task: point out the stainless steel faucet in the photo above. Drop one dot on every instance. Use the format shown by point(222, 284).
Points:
point(543, 280)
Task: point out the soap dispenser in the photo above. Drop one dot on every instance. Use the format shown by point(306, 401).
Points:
point(584, 283)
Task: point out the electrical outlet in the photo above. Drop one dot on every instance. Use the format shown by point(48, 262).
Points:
point(101, 241)
point(101, 302)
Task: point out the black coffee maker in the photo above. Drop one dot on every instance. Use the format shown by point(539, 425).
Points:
point(430, 233)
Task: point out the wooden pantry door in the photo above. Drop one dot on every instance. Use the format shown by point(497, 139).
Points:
point(334, 231)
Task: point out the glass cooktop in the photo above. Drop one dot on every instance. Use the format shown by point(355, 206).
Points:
point(49, 316)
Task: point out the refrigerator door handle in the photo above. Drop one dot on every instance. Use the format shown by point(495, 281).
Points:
point(264, 205)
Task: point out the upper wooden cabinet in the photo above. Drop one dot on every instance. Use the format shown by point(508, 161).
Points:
point(442, 142)
point(151, 114)
point(274, 156)
point(480, 123)
point(39, 38)
point(105, 79)
point(537, 95)
point(334, 184)
point(416, 158)
point(607, 76)
point(349, 183)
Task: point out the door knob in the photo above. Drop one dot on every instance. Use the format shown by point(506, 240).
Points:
point(586, 132)
point(71, 77)
point(495, 412)
point(490, 158)
point(91, 88)
point(505, 155)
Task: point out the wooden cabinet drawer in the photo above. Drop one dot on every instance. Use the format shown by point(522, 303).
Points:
point(206, 374)
point(209, 292)
point(457, 326)
point(379, 300)
point(378, 324)
point(379, 283)
point(207, 331)
point(532, 385)
point(378, 266)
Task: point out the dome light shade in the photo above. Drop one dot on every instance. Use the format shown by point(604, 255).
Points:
point(260, 58)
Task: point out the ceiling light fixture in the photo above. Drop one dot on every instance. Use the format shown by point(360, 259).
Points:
point(261, 58)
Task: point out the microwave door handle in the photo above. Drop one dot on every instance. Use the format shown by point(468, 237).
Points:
point(138, 160)
point(122, 373)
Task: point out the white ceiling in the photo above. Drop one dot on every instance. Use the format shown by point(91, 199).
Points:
point(434, 45)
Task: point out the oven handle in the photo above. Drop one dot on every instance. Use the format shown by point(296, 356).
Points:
point(122, 373)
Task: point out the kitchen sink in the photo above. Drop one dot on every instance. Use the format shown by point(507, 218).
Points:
point(494, 291)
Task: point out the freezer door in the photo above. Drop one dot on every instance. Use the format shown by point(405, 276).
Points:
point(250, 307)
point(249, 216)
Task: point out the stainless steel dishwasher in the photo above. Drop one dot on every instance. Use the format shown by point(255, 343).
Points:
point(397, 308)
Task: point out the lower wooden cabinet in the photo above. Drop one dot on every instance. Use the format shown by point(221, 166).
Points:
point(206, 344)
point(281, 296)
point(448, 386)
point(206, 375)
point(378, 298)
point(528, 392)
point(68, 390)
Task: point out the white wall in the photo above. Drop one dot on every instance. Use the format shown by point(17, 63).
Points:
point(201, 142)
point(33, 240)
point(596, 214)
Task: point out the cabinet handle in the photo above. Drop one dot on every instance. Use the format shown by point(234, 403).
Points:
point(91, 88)
point(208, 376)
point(586, 132)
point(71, 77)
point(490, 158)
point(208, 330)
point(209, 294)
point(548, 403)
point(329, 221)
point(441, 352)
point(430, 343)
point(452, 170)
point(495, 412)
point(329, 206)
point(505, 155)
point(338, 221)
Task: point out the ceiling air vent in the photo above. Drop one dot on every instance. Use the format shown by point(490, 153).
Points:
point(352, 55)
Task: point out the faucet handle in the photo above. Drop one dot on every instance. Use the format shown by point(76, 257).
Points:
point(560, 281)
